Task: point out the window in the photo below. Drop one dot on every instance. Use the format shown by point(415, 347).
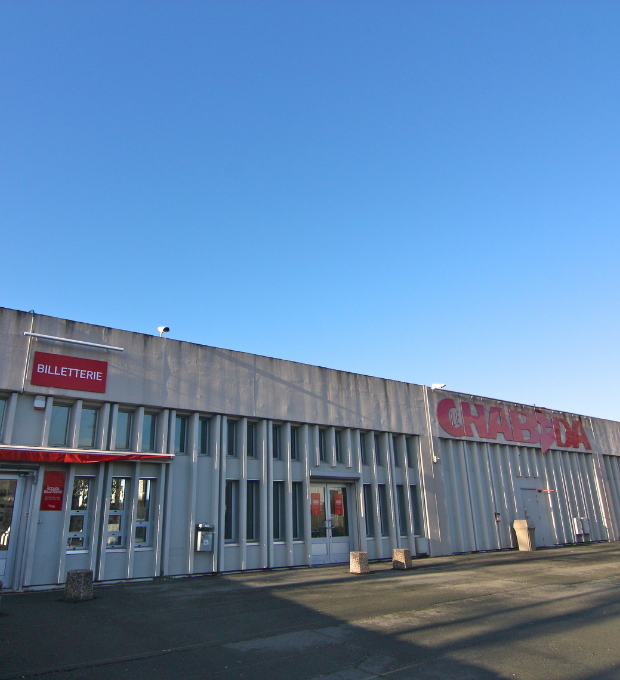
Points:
point(117, 513)
point(231, 444)
point(377, 449)
point(275, 441)
point(77, 538)
point(403, 520)
point(149, 432)
point(88, 428)
point(396, 451)
point(2, 413)
point(123, 431)
point(416, 509)
point(180, 434)
point(385, 512)
point(363, 450)
point(231, 512)
point(322, 453)
point(294, 443)
point(411, 443)
point(298, 511)
point(142, 533)
point(278, 511)
point(339, 436)
point(253, 510)
point(203, 436)
point(368, 510)
point(251, 442)
point(59, 426)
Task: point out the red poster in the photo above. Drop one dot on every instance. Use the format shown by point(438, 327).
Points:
point(315, 503)
point(71, 373)
point(53, 490)
point(338, 504)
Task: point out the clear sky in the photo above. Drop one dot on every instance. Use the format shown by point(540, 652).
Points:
point(425, 191)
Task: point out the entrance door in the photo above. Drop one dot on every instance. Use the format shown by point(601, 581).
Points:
point(330, 523)
point(536, 512)
point(10, 499)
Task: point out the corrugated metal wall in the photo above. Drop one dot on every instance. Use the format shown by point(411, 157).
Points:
point(483, 479)
point(612, 470)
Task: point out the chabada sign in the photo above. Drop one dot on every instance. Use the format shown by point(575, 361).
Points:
point(71, 373)
point(515, 425)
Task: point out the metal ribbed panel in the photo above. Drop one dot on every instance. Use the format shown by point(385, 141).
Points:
point(485, 484)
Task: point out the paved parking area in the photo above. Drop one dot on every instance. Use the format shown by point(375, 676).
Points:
point(543, 615)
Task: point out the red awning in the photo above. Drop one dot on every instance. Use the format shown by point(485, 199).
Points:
point(41, 455)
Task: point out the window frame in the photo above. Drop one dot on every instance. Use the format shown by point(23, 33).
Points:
point(147, 523)
point(180, 434)
point(121, 534)
point(322, 446)
point(231, 438)
point(369, 509)
point(252, 527)
point(231, 512)
point(129, 431)
point(279, 511)
point(152, 443)
point(299, 506)
point(204, 427)
point(84, 513)
point(55, 409)
point(294, 442)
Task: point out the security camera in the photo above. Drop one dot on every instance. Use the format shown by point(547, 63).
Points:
point(162, 330)
point(438, 386)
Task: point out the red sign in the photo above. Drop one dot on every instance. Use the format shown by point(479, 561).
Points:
point(338, 504)
point(71, 373)
point(53, 490)
point(315, 503)
point(514, 426)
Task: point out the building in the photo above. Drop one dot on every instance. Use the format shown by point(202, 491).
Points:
point(115, 446)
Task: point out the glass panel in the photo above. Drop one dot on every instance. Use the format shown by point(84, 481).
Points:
point(180, 432)
point(144, 500)
point(339, 447)
point(7, 500)
point(123, 431)
point(88, 428)
point(322, 455)
point(79, 500)
point(402, 510)
point(278, 511)
point(58, 426)
point(369, 510)
point(204, 436)
point(149, 432)
point(383, 505)
point(251, 440)
point(298, 510)
point(231, 511)
point(114, 523)
point(338, 508)
point(114, 541)
point(275, 441)
point(416, 508)
point(377, 450)
point(232, 431)
point(253, 510)
point(363, 449)
point(117, 494)
point(76, 524)
point(317, 511)
point(294, 449)
point(140, 534)
point(75, 542)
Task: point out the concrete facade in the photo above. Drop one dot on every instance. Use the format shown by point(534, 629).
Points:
point(289, 464)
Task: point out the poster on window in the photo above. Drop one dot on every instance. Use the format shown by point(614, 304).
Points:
point(53, 490)
point(315, 503)
point(338, 504)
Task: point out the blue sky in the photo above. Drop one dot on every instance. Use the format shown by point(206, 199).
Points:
point(424, 191)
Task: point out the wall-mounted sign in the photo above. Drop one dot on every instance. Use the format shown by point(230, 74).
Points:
point(71, 373)
point(53, 490)
point(471, 420)
point(315, 503)
point(338, 504)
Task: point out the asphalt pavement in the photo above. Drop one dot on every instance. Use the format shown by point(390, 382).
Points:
point(527, 616)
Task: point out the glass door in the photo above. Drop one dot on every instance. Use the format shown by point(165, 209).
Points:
point(330, 523)
point(10, 497)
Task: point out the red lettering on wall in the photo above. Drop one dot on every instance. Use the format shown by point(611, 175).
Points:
point(449, 417)
point(579, 435)
point(563, 432)
point(523, 422)
point(479, 420)
point(498, 422)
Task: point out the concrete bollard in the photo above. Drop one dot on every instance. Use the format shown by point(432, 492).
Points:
point(79, 585)
point(401, 558)
point(359, 562)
